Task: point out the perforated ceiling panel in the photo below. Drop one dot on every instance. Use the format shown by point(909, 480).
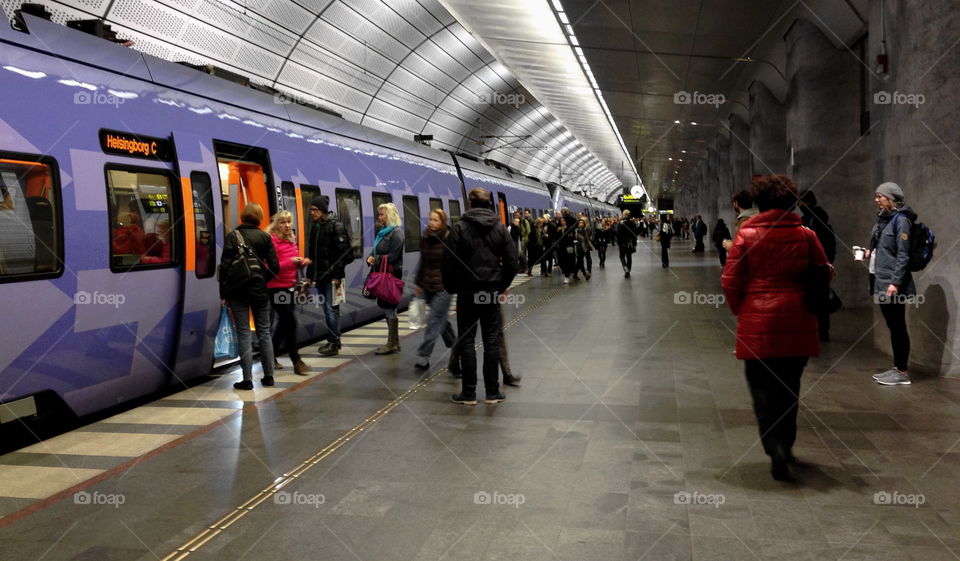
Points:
point(400, 66)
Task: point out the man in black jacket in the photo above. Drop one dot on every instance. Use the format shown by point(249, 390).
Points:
point(330, 251)
point(699, 229)
point(817, 219)
point(479, 262)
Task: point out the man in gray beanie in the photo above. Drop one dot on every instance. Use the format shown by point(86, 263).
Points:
point(891, 283)
point(330, 251)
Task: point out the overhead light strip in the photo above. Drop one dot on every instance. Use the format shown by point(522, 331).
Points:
point(574, 43)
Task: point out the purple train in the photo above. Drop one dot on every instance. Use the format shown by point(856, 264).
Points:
point(119, 175)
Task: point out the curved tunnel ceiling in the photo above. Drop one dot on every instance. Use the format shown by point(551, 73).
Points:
point(405, 67)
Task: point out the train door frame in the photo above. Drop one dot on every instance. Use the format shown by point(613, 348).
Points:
point(200, 299)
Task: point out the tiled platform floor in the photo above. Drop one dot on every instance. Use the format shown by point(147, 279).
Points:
point(631, 438)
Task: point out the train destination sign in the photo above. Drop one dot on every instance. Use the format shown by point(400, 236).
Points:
point(135, 145)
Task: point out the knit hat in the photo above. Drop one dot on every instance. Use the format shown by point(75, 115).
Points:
point(891, 191)
point(322, 203)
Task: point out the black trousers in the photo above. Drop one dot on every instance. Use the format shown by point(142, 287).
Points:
point(665, 254)
point(472, 312)
point(699, 244)
point(775, 386)
point(723, 255)
point(895, 315)
point(286, 330)
point(626, 258)
point(602, 254)
point(589, 257)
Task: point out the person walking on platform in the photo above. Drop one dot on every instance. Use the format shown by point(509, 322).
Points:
point(388, 245)
point(429, 284)
point(567, 248)
point(588, 240)
point(330, 251)
point(535, 247)
point(890, 280)
point(479, 263)
point(699, 229)
point(281, 289)
point(720, 233)
point(743, 205)
point(665, 232)
point(763, 282)
point(551, 236)
point(251, 296)
point(626, 242)
point(526, 226)
point(601, 240)
point(817, 219)
point(583, 249)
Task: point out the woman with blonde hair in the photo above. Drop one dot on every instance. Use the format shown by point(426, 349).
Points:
point(281, 289)
point(388, 245)
point(251, 294)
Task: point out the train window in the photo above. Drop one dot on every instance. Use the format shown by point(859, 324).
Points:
point(436, 203)
point(411, 224)
point(141, 218)
point(289, 194)
point(379, 199)
point(348, 206)
point(30, 218)
point(454, 211)
point(206, 252)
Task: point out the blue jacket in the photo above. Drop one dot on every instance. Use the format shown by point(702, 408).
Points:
point(890, 242)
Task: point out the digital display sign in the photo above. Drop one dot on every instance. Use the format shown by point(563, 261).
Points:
point(135, 145)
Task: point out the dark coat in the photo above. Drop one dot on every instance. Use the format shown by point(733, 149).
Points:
point(627, 234)
point(329, 248)
point(479, 254)
point(262, 245)
point(817, 219)
point(890, 242)
point(429, 275)
point(764, 288)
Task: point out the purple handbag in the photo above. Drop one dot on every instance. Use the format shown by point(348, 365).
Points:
point(383, 285)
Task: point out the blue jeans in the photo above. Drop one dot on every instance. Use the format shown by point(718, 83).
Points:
point(261, 320)
point(330, 312)
point(437, 322)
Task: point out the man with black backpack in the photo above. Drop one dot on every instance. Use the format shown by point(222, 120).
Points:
point(330, 250)
point(891, 283)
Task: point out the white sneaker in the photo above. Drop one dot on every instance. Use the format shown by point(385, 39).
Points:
point(566, 280)
point(894, 378)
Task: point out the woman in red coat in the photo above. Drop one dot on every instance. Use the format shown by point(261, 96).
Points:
point(776, 332)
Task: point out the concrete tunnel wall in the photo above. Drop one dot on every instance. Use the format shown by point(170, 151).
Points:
point(815, 136)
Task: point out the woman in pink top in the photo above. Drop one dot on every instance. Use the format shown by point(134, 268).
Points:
point(282, 298)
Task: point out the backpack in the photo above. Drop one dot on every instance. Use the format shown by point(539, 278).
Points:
point(922, 244)
point(237, 272)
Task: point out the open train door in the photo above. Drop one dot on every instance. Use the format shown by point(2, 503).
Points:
point(199, 185)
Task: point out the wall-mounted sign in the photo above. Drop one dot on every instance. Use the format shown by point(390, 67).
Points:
point(135, 145)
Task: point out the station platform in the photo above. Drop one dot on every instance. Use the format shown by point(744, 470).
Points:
point(631, 437)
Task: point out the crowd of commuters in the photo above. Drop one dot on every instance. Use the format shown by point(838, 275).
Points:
point(779, 238)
